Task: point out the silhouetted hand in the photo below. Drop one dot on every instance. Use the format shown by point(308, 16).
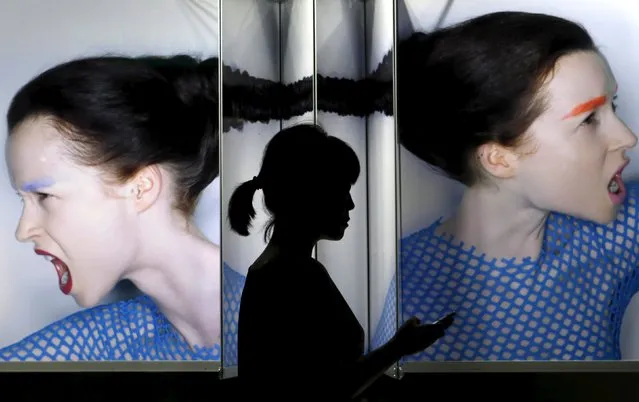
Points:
point(412, 337)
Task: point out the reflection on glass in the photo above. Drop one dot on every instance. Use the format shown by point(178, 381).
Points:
point(342, 112)
point(267, 84)
point(354, 92)
point(305, 177)
point(381, 151)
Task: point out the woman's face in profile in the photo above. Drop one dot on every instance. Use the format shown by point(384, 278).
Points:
point(578, 145)
point(69, 213)
point(336, 206)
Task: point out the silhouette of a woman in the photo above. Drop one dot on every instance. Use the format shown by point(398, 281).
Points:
point(290, 305)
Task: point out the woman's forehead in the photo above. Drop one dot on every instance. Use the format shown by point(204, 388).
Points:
point(578, 78)
point(36, 149)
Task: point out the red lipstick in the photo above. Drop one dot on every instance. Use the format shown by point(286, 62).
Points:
point(64, 274)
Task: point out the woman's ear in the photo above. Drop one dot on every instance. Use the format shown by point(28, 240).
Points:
point(498, 161)
point(144, 188)
point(148, 186)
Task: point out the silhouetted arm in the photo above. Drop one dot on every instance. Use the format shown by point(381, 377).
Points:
point(370, 367)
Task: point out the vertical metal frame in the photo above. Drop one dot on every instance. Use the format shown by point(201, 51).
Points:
point(398, 369)
point(369, 300)
point(220, 127)
point(314, 81)
point(314, 77)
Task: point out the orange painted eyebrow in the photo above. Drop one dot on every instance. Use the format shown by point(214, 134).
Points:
point(587, 106)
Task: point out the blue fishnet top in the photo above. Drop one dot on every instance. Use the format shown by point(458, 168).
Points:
point(567, 304)
point(133, 329)
point(233, 284)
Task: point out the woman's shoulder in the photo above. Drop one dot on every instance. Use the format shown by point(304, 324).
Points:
point(104, 318)
point(426, 231)
point(288, 276)
point(284, 265)
point(427, 240)
point(120, 313)
point(629, 207)
point(83, 335)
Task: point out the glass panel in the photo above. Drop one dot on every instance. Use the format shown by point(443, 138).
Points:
point(341, 59)
point(267, 52)
point(382, 171)
point(420, 205)
point(354, 92)
point(508, 309)
point(30, 298)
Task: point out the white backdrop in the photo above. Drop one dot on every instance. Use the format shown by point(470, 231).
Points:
point(37, 34)
point(614, 25)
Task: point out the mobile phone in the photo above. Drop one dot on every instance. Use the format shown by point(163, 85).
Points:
point(446, 317)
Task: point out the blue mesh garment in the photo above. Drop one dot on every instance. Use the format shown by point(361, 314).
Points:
point(386, 327)
point(233, 284)
point(566, 305)
point(134, 329)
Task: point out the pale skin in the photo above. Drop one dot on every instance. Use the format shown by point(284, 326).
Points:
point(107, 231)
point(564, 165)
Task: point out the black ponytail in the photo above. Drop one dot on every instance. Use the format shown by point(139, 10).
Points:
point(241, 211)
point(294, 161)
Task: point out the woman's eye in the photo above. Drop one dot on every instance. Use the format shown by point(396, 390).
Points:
point(42, 196)
point(590, 120)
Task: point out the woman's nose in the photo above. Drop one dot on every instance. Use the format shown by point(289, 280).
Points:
point(27, 226)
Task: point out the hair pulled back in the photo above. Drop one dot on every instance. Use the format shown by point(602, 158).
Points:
point(298, 162)
point(122, 114)
point(477, 82)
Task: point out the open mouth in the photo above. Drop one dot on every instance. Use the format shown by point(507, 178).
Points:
point(616, 186)
point(64, 275)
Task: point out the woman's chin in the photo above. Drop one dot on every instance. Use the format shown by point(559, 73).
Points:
point(336, 235)
point(602, 216)
point(85, 301)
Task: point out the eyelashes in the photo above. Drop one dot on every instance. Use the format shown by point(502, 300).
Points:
point(592, 118)
point(40, 196)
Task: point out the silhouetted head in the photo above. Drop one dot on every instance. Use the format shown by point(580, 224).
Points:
point(495, 99)
point(105, 150)
point(306, 177)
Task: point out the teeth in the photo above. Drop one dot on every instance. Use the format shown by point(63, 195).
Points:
point(65, 278)
point(48, 258)
point(613, 187)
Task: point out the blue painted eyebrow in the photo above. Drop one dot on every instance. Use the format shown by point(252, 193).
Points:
point(36, 185)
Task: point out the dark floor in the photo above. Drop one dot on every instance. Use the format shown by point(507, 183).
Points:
point(514, 387)
point(169, 387)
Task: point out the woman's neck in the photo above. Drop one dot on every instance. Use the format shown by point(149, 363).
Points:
point(183, 280)
point(292, 242)
point(498, 223)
